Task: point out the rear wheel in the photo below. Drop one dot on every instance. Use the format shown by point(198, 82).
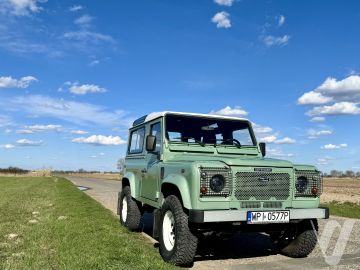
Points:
point(177, 243)
point(130, 213)
point(298, 241)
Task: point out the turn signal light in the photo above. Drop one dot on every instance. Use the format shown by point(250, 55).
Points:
point(314, 190)
point(203, 190)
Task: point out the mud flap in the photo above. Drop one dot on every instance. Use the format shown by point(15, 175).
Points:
point(156, 224)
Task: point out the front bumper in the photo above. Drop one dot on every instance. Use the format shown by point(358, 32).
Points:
point(204, 216)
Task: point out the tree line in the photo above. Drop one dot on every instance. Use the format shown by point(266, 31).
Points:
point(13, 170)
point(336, 173)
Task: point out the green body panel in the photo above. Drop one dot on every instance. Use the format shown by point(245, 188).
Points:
point(178, 164)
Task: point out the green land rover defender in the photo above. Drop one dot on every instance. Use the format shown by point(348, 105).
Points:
point(202, 173)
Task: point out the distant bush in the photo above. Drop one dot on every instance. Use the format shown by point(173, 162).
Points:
point(13, 170)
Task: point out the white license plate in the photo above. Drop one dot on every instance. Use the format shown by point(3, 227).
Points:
point(268, 216)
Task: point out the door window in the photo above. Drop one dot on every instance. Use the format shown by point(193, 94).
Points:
point(137, 141)
point(156, 131)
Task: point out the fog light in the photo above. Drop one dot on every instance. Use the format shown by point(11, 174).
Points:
point(203, 190)
point(217, 183)
point(314, 190)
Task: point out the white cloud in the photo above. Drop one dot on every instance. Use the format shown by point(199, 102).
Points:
point(75, 8)
point(5, 121)
point(285, 140)
point(227, 3)
point(100, 140)
point(71, 111)
point(88, 36)
point(7, 146)
point(268, 139)
point(26, 142)
point(261, 129)
point(317, 119)
point(7, 131)
point(84, 20)
point(9, 82)
point(39, 128)
point(82, 89)
point(222, 20)
point(94, 62)
point(276, 41)
point(79, 132)
point(313, 98)
point(314, 134)
point(228, 111)
point(21, 7)
point(331, 89)
point(281, 20)
point(276, 152)
point(335, 109)
point(334, 146)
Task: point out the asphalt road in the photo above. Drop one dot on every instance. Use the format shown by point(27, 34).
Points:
point(243, 251)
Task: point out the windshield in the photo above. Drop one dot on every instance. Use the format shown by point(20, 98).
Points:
point(200, 130)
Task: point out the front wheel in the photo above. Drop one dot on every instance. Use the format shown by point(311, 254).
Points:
point(177, 243)
point(298, 241)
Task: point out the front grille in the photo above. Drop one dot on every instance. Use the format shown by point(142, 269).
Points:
point(210, 172)
point(262, 186)
point(314, 180)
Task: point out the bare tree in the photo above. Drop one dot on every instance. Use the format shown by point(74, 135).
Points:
point(121, 165)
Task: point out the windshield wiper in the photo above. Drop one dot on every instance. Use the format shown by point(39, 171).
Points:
point(195, 140)
point(234, 142)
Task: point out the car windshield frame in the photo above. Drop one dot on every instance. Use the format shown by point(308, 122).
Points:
point(190, 132)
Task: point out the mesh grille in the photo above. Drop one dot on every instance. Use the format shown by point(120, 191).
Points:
point(206, 173)
point(272, 205)
point(262, 186)
point(250, 204)
point(314, 180)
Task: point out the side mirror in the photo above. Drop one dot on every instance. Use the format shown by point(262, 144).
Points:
point(150, 143)
point(262, 146)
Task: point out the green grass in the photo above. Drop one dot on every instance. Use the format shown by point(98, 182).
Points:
point(90, 236)
point(346, 209)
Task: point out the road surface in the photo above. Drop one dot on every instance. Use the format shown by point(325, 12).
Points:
point(243, 251)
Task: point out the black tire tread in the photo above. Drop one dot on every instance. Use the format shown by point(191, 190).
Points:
point(186, 243)
point(304, 243)
point(134, 215)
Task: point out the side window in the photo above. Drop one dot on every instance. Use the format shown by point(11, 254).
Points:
point(156, 131)
point(137, 141)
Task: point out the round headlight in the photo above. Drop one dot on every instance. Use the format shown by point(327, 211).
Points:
point(217, 183)
point(301, 184)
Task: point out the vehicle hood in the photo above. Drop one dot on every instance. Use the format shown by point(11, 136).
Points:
point(235, 161)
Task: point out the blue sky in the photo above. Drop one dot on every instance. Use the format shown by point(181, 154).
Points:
point(74, 74)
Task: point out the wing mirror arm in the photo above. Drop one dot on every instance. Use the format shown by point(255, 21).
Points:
point(262, 146)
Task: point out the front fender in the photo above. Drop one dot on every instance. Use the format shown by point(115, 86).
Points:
point(134, 184)
point(183, 186)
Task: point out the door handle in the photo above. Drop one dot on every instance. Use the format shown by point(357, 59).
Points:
point(143, 170)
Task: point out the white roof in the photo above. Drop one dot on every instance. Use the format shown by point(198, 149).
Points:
point(155, 115)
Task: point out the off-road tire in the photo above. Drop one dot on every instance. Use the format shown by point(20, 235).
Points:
point(134, 215)
point(185, 245)
point(303, 241)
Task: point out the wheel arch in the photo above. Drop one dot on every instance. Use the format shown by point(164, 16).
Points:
point(129, 179)
point(177, 185)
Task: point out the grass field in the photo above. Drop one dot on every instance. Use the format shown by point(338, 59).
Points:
point(47, 223)
point(343, 209)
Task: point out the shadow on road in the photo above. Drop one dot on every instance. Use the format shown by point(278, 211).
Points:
point(241, 245)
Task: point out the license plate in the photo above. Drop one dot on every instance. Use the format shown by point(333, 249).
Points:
point(254, 217)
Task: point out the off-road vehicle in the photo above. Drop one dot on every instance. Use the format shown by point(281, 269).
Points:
point(202, 173)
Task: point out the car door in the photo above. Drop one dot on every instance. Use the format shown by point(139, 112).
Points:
point(135, 158)
point(151, 178)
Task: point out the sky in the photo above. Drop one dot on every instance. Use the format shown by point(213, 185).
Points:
point(75, 74)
